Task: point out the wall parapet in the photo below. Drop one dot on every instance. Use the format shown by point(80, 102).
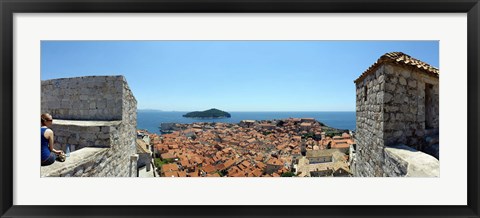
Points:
point(96, 116)
point(402, 160)
point(80, 134)
point(83, 162)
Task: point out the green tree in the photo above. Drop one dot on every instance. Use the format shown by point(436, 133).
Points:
point(159, 162)
point(308, 135)
point(288, 174)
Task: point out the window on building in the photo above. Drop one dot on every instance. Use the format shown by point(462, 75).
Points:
point(365, 89)
point(429, 116)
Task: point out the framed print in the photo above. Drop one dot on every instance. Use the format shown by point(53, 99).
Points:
point(348, 91)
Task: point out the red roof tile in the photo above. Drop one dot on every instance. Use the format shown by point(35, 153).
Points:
point(400, 59)
point(171, 174)
point(257, 172)
point(274, 161)
point(209, 169)
point(182, 174)
point(169, 167)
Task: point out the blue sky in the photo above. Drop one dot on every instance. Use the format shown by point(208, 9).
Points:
point(230, 75)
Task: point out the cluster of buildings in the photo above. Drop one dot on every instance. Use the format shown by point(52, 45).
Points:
point(397, 122)
point(290, 147)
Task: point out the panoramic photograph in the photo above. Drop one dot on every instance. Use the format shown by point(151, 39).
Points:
point(239, 108)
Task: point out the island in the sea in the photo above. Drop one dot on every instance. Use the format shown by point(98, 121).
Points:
point(212, 113)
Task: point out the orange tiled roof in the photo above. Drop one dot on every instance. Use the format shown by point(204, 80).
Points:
point(171, 174)
point(346, 135)
point(274, 161)
point(239, 174)
point(340, 145)
point(167, 156)
point(229, 163)
point(182, 174)
point(220, 167)
point(184, 163)
point(169, 167)
point(193, 174)
point(400, 59)
point(209, 169)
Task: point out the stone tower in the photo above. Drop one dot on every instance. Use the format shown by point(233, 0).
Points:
point(397, 106)
point(97, 117)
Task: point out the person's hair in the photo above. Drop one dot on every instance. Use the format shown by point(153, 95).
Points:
point(45, 117)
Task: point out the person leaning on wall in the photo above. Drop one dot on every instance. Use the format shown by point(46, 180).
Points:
point(48, 153)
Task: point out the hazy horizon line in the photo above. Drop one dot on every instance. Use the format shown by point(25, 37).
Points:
point(242, 111)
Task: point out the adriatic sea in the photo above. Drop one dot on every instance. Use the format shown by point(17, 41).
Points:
point(150, 119)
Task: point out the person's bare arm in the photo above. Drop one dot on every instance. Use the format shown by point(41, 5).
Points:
point(49, 136)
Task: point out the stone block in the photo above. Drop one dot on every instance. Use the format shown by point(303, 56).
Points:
point(79, 173)
point(92, 113)
point(402, 81)
point(100, 143)
point(398, 134)
point(389, 87)
point(412, 83)
point(72, 140)
point(104, 136)
point(405, 73)
point(421, 118)
point(421, 85)
point(413, 110)
point(387, 97)
point(398, 99)
point(101, 104)
point(86, 136)
point(388, 69)
point(102, 165)
point(93, 129)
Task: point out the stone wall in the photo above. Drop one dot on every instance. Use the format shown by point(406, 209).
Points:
point(91, 162)
point(84, 98)
point(402, 160)
point(369, 115)
point(103, 117)
point(391, 107)
point(405, 106)
point(80, 134)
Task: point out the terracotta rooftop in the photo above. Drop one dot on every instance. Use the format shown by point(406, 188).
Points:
point(400, 59)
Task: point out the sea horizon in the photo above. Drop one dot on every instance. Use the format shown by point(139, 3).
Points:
point(150, 120)
point(229, 111)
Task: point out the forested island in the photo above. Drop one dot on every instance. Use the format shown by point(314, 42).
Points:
point(212, 113)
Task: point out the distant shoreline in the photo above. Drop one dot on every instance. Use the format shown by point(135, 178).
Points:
point(151, 120)
point(170, 111)
point(208, 117)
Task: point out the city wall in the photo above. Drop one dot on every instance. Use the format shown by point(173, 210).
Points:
point(97, 116)
point(392, 105)
point(405, 112)
point(370, 124)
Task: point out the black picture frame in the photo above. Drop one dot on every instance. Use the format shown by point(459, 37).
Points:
point(9, 7)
